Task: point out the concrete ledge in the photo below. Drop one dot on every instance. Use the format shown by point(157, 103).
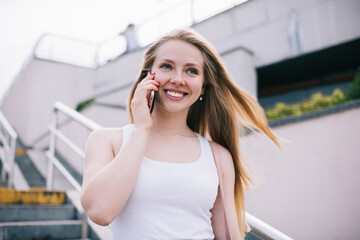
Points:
point(41, 223)
point(317, 113)
point(66, 229)
point(32, 196)
point(34, 212)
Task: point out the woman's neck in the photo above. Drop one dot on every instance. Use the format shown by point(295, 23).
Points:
point(171, 123)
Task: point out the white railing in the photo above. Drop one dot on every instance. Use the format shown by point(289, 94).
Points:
point(53, 161)
point(268, 231)
point(8, 138)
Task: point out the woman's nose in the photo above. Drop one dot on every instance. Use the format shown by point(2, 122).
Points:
point(177, 78)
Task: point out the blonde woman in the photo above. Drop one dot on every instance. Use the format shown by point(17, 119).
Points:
point(156, 178)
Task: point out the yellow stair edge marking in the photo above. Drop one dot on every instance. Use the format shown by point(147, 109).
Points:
point(32, 196)
point(20, 151)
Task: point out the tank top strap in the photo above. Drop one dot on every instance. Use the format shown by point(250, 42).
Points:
point(206, 151)
point(127, 129)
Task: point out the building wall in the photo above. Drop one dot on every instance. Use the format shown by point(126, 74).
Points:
point(29, 103)
point(310, 190)
point(262, 26)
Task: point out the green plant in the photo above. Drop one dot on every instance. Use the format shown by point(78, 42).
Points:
point(338, 97)
point(82, 105)
point(317, 101)
point(354, 89)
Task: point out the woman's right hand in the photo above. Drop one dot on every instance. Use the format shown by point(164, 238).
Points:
point(139, 103)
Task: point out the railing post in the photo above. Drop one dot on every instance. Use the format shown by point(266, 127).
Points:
point(12, 162)
point(52, 146)
point(85, 226)
point(56, 135)
point(8, 139)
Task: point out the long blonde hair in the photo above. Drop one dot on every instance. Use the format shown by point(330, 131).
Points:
point(225, 109)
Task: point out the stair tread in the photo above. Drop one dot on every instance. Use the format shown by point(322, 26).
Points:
point(41, 223)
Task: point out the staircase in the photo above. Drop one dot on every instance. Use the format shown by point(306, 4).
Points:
point(37, 220)
point(27, 209)
point(37, 213)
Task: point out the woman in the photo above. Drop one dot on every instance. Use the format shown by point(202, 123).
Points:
point(156, 178)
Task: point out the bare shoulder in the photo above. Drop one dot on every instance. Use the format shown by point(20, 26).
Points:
point(106, 133)
point(224, 157)
point(106, 136)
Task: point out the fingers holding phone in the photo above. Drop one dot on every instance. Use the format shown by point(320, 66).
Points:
point(151, 95)
point(151, 100)
point(144, 97)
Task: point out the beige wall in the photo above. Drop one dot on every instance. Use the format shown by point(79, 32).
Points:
point(311, 189)
point(29, 103)
point(261, 26)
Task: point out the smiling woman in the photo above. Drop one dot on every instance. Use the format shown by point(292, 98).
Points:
point(157, 178)
point(179, 70)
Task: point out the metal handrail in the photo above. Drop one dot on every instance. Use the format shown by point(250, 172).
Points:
point(9, 144)
point(54, 161)
point(265, 229)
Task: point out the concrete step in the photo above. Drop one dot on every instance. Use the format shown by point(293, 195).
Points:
point(30, 212)
point(65, 229)
point(31, 174)
point(32, 196)
point(256, 235)
point(40, 160)
point(29, 171)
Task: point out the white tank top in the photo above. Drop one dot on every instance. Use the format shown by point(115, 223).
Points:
point(170, 200)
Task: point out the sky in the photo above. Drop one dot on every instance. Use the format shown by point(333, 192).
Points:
point(23, 22)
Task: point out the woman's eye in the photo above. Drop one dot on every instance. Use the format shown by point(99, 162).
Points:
point(165, 66)
point(193, 71)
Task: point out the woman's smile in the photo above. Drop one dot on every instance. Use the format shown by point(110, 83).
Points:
point(175, 94)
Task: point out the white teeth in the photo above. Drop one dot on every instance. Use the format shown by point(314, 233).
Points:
point(175, 94)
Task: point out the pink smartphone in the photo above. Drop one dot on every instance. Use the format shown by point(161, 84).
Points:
point(151, 100)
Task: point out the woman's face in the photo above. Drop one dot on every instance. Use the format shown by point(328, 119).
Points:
point(179, 68)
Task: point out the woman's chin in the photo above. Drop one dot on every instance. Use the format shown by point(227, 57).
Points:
point(173, 108)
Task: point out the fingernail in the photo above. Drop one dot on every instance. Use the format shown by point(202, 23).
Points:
point(152, 74)
point(158, 82)
point(157, 88)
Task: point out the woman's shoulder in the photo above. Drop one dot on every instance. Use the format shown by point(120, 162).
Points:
point(223, 155)
point(106, 133)
point(107, 136)
point(220, 149)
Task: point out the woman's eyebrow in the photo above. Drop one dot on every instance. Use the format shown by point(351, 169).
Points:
point(167, 60)
point(193, 64)
point(172, 61)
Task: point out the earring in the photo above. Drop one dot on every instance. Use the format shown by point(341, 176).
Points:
point(200, 98)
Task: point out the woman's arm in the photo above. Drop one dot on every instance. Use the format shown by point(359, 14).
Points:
point(108, 180)
point(218, 219)
point(225, 203)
